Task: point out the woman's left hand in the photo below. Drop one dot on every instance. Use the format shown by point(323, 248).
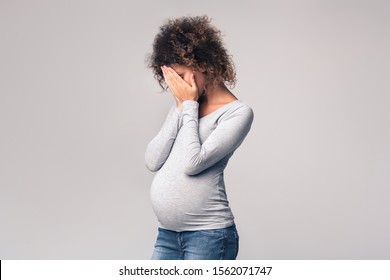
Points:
point(180, 88)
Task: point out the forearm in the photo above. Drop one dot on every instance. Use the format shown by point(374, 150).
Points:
point(190, 113)
point(158, 149)
point(226, 137)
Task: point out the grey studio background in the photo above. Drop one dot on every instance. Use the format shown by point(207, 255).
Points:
point(78, 107)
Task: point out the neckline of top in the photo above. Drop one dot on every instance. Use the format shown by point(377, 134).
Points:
point(219, 108)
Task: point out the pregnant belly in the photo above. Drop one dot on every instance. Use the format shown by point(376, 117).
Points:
point(181, 201)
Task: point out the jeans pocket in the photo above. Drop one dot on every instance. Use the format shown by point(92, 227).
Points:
point(237, 239)
point(214, 232)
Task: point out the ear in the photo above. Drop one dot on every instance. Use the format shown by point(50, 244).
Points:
point(200, 69)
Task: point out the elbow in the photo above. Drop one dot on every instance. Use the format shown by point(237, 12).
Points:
point(194, 165)
point(152, 167)
point(191, 169)
point(151, 164)
point(190, 172)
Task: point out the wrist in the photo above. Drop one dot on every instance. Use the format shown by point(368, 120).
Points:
point(190, 110)
point(190, 105)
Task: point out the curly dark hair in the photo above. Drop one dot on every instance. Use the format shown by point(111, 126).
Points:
point(192, 42)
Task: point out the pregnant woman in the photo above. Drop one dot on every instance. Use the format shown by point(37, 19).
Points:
point(204, 126)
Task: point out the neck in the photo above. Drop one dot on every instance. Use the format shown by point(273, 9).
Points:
point(214, 95)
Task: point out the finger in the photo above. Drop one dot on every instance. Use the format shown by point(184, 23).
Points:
point(169, 82)
point(193, 83)
point(175, 77)
point(164, 73)
point(176, 82)
point(166, 76)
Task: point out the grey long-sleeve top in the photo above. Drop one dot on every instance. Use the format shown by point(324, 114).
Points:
point(189, 155)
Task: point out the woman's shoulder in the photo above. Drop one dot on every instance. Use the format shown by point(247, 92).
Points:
point(238, 110)
point(241, 107)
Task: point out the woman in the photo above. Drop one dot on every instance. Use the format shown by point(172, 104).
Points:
point(203, 128)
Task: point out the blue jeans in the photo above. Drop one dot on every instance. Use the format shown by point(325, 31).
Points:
point(211, 244)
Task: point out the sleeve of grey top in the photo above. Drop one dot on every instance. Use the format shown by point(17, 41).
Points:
point(158, 149)
point(226, 137)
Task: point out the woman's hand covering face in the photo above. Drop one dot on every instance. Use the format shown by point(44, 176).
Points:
point(180, 89)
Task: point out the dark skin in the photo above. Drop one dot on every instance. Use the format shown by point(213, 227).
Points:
point(186, 84)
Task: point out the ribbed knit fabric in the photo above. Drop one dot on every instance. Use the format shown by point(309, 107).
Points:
point(189, 156)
